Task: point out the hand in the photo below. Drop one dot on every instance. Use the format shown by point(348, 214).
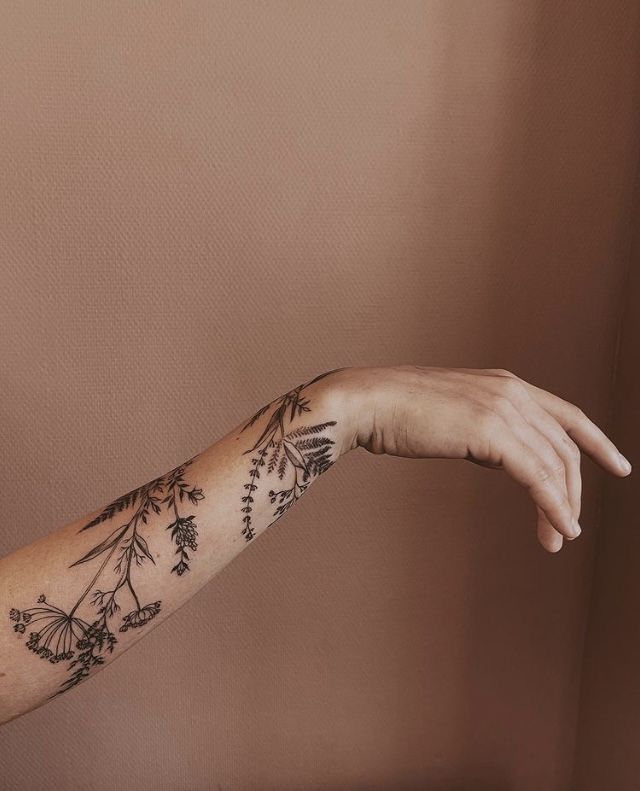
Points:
point(490, 417)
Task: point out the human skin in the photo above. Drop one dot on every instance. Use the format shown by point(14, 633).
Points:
point(76, 599)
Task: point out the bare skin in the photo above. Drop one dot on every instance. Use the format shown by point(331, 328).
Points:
point(76, 599)
point(493, 418)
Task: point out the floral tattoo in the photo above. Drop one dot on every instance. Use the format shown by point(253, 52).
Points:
point(58, 635)
point(305, 450)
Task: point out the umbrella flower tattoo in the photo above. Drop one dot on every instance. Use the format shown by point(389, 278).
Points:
point(303, 453)
point(56, 634)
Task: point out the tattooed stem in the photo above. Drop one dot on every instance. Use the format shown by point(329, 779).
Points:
point(133, 593)
point(251, 487)
point(94, 580)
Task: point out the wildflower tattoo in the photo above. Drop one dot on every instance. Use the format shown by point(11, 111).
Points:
point(57, 635)
point(305, 450)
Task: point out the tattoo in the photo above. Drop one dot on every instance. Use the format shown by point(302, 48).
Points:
point(305, 450)
point(57, 635)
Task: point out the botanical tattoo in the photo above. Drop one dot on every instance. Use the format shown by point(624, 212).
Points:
point(58, 634)
point(304, 453)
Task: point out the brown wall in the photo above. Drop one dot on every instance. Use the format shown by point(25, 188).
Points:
point(206, 203)
point(609, 733)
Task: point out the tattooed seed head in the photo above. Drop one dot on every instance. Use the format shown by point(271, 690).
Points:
point(140, 617)
point(56, 632)
point(41, 598)
point(180, 568)
point(185, 533)
point(14, 614)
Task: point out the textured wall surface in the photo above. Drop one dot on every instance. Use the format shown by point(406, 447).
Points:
point(202, 205)
point(609, 730)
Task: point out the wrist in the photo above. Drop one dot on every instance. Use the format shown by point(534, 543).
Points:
point(348, 394)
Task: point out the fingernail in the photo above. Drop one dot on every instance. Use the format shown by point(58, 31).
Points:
point(624, 463)
point(575, 527)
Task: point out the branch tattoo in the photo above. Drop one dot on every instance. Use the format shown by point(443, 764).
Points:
point(64, 635)
point(59, 635)
point(305, 450)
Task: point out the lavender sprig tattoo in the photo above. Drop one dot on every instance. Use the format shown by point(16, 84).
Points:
point(304, 450)
point(57, 635)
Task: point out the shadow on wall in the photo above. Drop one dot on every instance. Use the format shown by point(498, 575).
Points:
point(546, 266)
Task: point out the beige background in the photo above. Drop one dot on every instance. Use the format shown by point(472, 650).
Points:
point(202, 205)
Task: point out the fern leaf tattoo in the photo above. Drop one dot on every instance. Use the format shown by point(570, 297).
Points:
point(304, 452)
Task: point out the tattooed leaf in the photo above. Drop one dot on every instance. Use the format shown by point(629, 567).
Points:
point(322, 375)
point(303, 431)
point(295, 457)
point(273, 460)
point(144, 547)
point(282, 466)
point(314, 442)
point(116, 507)
point(257, 415)
point(272, 426)
point(195, 495)
point(109, 542)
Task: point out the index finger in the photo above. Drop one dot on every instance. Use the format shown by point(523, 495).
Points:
point(589, 438)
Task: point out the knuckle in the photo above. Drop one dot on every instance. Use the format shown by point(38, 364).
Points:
point(499, 402)
point(572, 450)
point(577, 414)
point(513, 388)
point(553, 462)
point(501, 372)
point(543, 475)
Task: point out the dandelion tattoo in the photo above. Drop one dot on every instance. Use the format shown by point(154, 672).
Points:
point(56, 634)
point(306, 451)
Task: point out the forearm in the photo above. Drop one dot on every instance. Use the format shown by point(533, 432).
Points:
point(76, 599)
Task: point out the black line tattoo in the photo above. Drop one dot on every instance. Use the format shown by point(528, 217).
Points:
point(305, 449)
point(57, 635)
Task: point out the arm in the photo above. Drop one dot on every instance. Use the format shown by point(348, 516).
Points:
point(81, 596)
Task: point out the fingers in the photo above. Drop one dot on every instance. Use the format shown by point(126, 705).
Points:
point(542, 432)
point(542, 481)
point(569, 452)
point(548, 536)
point(590, 439)
point(556, 461)
point(533, 463)
point(539, 438)
point(566, 449)
point(569, 431)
